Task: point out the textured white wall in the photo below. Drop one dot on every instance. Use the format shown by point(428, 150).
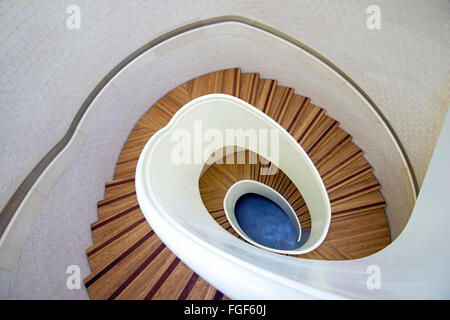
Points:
point(47, 71)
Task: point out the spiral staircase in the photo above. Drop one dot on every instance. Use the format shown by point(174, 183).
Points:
point(129, 261)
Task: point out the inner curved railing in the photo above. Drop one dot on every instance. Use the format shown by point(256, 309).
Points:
point(262, 233)
point(177, 200)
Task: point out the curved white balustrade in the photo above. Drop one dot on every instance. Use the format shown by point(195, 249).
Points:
point(178, 197)
point(169, 199)
point(169, 196)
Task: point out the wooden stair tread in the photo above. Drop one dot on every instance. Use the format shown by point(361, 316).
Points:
point(109, 207)
point(264, 93)
point(324, 128)
point(116, 188)
point(308, 117)
point(366, 202)
point(201, 290)
point(103, 283)
point(347, 174)
point(139, 133)
point(295, 107)
point(275, 180)
point(104, 252)
point(248, 87)
point(155, 118)
point(328, 147)
point(281, 99)
point(105, 228)
point(362, 185)
point(345, 154)
point(143, 283)
point(224, 81)
point(354, 237)
point(140, 273)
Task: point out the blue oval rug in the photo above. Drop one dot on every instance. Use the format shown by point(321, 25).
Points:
point(266, 223)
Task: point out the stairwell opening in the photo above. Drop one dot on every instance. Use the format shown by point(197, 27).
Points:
point(266, 223)
point(263, 217)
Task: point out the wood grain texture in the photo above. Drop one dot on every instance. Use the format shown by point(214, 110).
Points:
point(127, 259)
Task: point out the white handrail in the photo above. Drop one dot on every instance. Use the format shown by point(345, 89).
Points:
point(169, 199)
point(169, 196)
point(179, 194)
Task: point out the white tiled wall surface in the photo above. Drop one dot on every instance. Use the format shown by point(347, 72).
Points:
point(47, 71)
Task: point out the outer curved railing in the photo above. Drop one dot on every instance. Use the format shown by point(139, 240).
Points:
point(17, 203)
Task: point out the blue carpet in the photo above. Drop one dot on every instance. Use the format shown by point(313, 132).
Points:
point(266, 223)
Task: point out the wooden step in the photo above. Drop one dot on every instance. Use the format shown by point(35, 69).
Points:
point(284, 184)
point(295, 107)
point(103, 283)
point(172, 282)
point(202, 290)
point(265, 91)
point(366, 202)
point(300, 202)
point(329, 147)
point(155, 118)
point(173, 101)
point(243, 171)
point(140, 267)
point(361, 186)
point(139, 132)
point(138, 138)
point(355, 236)
point(102, 253)
point(125, 170)
point(280, 102)
point(212, 197)
point(275, 180)
point(224, 81)
point(119, 187)
point(213, 187)
point(291, 193)
point(308, 117)
point(108, 227)
point(248, 87)
point(325, 128)
point(109, 207)
point(347, 174)
point(276, 109)
point(343, 155)
point(148, 277)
